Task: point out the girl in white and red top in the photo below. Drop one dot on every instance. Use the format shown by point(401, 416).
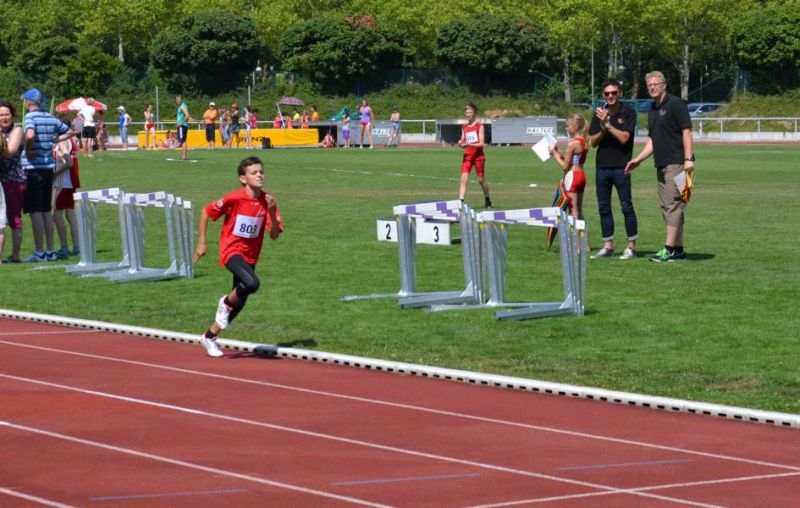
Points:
point(572, 163)
point(248, 213)
point(66, 179)
point(472, 141)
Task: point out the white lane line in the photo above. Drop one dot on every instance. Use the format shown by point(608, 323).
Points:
point(33, 499)
point(339, 439)
point(411, 407)
point(189, 465)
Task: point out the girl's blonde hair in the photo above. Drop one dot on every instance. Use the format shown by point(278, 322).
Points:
point(578, 122)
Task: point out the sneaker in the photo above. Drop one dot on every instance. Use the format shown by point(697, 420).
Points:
point(603, 253)
point(676, 256)
point(76, 251)
point(12, 259)
point(628, 253)
point(36, 257)
point(211, 346)
point(50, 255)
point(63, 253)
point(223, 313)
point(487, 203)
point(662, 256)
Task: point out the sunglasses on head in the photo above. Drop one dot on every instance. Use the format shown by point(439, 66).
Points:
point(611, 94)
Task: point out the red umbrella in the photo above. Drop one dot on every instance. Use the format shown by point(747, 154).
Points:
point(78, 104)
point(291, 101)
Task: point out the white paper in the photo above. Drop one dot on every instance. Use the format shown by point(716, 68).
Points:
point(542, 148)
point(680, 181)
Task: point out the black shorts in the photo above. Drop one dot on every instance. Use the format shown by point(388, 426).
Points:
point(182, 131)
point(39, 191)
point(211, 130)
point(89, 132)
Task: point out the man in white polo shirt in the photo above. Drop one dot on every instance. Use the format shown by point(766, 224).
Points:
point(89, 126)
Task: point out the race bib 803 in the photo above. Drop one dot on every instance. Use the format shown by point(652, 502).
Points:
point(247, 227)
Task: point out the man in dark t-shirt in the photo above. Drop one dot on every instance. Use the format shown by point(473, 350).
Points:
point(612, 132)
point(670, 142)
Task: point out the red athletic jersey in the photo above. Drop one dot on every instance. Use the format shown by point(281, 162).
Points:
point(471, 134)
point(246, 219)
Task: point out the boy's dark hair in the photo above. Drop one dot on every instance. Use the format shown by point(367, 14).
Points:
point(473, 107)
point(611, 82)
point(246, 163)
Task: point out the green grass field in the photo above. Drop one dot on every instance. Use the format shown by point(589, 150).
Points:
point(720, 327)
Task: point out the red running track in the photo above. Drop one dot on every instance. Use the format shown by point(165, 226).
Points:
point(100, 419)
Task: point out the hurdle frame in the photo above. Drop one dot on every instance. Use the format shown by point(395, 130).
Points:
point(573, 249)
point(86, 216)
point(134, 205)
point(407, 216)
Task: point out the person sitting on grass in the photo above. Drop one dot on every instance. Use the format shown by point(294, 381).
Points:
point(327, 141)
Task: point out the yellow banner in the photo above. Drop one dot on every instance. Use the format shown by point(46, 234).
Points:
point(277, 137)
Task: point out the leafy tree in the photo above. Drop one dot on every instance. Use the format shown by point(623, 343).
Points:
point(211, 52)
point(340, 54)
point(492, 50)
point(766, 42)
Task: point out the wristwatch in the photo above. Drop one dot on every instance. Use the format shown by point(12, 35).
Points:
point(690, 159)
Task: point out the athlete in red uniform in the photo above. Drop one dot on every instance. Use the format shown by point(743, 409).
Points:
point(248, 212)
point(572, 164)
point(472, 143)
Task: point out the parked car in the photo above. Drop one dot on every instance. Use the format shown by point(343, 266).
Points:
point(702, 108)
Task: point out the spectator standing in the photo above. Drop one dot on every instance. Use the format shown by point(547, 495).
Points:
point(210, 124)
point(12, 176)
point(149, 127)
point(224, 126)
point(66, 179)
point(346, 128)
point(102, 132)
point(89, 134)
point(472, 141)
point(314, 113)
point(41, 130)
point(670, 142)
point(234, 125)
point(612, 132)
point(365, 124)
point(277, 123)
point(394, 133)
point(182, 119)
point(571, 163)
point(77, 126)
point(124, 122)
point(304, 120)
point(250, 120)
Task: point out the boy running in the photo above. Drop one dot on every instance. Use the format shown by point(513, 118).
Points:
point(248, 212)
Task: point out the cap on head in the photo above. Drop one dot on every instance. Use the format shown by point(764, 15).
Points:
point(211, 104)
point(33, 95)
point(121, 109)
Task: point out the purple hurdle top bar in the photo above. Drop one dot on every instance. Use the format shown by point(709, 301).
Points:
point(100, 194)
point(531, 216)
point(447, 208)
point(149, 198)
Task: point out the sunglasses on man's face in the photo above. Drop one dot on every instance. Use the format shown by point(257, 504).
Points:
point(611, 94)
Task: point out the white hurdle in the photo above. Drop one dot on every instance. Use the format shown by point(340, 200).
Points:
point(134, 206)
point(407, 216)
point(86, 213)
point(573, 248)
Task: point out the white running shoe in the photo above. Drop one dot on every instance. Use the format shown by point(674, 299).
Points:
point(628, 253)
point(211, 346)
point(223, 313)
point(603, 253)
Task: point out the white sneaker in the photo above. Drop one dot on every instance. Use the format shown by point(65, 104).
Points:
point(603, 253)
point(628, 253)
point(211, 346)
point(223, 313)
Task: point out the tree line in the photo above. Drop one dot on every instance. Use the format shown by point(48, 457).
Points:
point(107, 47)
